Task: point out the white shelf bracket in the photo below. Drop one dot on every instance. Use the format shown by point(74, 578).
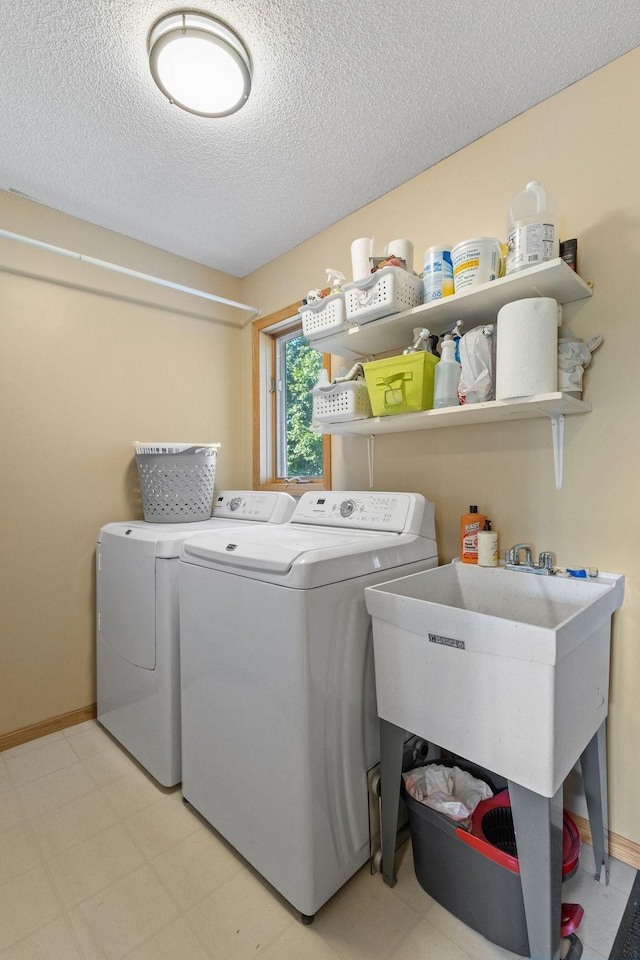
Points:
point(557, 434)
point(370, 454)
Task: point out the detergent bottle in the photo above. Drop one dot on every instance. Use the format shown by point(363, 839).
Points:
point(532, 229)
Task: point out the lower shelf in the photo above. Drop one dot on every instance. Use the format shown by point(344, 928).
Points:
point(555, 406)
point(540, 405)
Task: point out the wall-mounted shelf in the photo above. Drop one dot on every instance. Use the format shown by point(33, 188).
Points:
point(553, 405)
point(540, 405)
point(475, 304)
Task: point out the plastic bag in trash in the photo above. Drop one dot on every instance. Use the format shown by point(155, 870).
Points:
point(450, 790)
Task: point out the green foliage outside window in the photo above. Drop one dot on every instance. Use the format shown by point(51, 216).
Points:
point(303, 448)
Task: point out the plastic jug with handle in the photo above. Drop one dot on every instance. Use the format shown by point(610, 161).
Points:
point(532, 229)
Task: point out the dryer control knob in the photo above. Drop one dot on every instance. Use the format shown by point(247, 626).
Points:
point(347, 507)
point(235, 504)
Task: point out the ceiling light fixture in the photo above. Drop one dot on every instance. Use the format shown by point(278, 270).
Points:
point(200, 64)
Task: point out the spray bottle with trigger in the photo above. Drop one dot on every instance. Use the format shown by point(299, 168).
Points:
point(335, 279)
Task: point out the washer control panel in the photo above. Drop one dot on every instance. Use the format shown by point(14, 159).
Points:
point(266, 506)
point(395, 512)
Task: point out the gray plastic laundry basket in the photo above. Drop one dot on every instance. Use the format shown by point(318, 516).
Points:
point(176, 480)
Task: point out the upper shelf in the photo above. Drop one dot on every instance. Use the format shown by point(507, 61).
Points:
point(478, 304)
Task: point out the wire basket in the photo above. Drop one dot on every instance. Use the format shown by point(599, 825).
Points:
point(341, 401)
point(387, 291)
point(176, 481)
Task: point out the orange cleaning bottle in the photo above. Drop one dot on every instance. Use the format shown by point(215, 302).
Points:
point(470, 525)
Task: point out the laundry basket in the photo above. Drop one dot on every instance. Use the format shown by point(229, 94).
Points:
point(176, 480)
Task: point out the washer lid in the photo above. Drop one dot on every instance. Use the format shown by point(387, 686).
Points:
point(278, 549)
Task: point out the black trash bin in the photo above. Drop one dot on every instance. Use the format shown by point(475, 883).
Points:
point(475, 875)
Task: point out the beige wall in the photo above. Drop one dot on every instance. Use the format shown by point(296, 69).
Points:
point(583, 145)
point(89, 362)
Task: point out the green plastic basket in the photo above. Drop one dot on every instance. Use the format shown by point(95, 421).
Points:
point(401, 384)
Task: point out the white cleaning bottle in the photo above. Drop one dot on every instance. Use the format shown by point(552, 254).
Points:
point(532, 229)
point(487, 546)
point(447, 376)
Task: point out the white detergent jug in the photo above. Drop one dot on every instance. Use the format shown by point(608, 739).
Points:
point(532, 229)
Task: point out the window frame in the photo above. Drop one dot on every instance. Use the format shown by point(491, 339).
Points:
point(265, 332)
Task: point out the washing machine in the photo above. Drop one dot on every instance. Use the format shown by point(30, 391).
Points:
point(138, 644)
point(279, 718)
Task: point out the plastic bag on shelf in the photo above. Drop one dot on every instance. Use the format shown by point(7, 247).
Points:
point(477, 365)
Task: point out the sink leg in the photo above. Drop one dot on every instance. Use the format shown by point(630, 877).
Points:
point(538, 825)
point(593, 762)
point(391, 744)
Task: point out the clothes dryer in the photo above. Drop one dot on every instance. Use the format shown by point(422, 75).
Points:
point(138, 658)
point(279, 718)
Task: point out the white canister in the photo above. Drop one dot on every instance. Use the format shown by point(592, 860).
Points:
point(476, 261)
point(437, 276)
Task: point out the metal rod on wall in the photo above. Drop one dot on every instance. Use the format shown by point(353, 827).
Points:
point(129, 273)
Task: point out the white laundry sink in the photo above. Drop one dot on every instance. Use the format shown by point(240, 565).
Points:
point(508, 669)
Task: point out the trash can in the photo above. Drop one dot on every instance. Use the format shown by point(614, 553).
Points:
point(475, 875)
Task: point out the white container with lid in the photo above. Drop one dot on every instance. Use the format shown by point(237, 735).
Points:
point(532, 229)
point(437, 276)
point(476, 261)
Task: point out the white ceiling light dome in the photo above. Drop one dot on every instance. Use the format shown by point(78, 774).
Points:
point(199, 64)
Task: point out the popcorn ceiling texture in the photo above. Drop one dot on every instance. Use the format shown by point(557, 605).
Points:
point(349, 100)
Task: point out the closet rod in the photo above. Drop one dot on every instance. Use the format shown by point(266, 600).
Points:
point(129, 273)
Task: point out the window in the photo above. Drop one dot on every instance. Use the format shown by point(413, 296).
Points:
point(286, 454)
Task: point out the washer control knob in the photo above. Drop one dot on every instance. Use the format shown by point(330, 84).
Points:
point(235, 504)
point(347, 507)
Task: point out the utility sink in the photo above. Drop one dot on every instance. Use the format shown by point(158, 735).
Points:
point(507, 669)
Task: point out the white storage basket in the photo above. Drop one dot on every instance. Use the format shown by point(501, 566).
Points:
point(323, 316)
point(341, 401)
point(387, 291)
point(176, 480)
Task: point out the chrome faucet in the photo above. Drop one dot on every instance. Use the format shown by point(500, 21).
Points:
point(544, 565)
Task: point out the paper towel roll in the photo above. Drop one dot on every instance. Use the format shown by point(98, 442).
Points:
point(403, 249)
point(527, 348)
point(361, 252)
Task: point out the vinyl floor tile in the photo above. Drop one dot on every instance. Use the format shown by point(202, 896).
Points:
point(18, 853)
point(52, 942)
point(26, 904)
point(90, 866)
point(192, 868)
point(239, 919)
point(123, 916)
point(73, 823)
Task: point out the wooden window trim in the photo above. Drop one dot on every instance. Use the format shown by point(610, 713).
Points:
point(258, 327)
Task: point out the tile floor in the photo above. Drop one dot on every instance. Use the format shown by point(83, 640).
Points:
point(99, 863)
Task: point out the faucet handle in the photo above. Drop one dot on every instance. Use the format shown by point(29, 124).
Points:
point(545, 560)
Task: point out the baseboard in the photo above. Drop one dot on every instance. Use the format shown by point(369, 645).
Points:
point(36, 730)
point(619, 847)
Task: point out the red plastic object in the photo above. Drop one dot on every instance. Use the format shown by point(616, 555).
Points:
point(570, 837)
point(570, 918)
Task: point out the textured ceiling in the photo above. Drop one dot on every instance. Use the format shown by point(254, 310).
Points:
point(349, 99)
